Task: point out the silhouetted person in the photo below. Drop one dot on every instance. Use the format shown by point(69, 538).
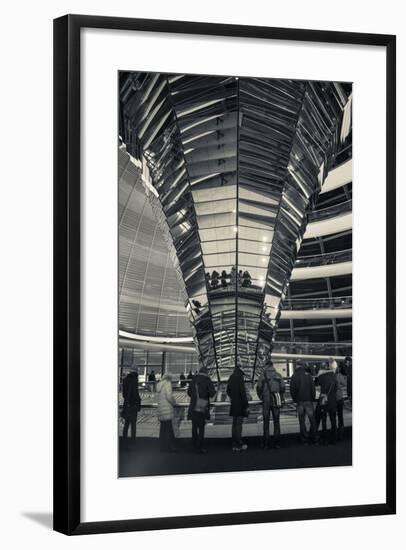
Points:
point(132, 405)
point(215, 279)
point(233, 276)
point(189, 377)
point(327, 405)
point(348, 372)
point(152, 380)
point(240, 278)
point(303, 393)
point(246, 279)
point(197, 306)
point(182, 380)
point(166, 412)
point(238, 408)
point(340, 395)
point(200, 390)
point(224, 278)
point(271, 390)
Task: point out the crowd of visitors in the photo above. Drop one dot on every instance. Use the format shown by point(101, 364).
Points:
point(334, 382)
point(319, 400)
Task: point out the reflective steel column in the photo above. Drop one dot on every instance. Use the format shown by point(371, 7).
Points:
point(235, 166)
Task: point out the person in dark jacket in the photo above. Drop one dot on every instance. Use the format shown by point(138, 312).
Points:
point(341, 394)
point(152, 381)
point(239, 407)
point(327, 405)
point(215, 279)
point(246, 279)
point(132, 405)
point(348, 373)
point(303, 393)
point(271, 390)
point(200, 390)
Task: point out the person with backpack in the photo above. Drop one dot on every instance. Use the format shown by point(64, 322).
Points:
point(200, 390)
point(238, 408)
point(271, 389)
point(303, 393)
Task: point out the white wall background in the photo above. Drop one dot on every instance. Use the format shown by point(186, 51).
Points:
point(25, 289)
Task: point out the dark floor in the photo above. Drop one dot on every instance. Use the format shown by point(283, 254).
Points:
point(145, 459)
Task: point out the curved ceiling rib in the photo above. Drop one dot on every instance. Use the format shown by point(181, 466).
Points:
point(317, 271)
point(339, 176)
point(337, 224)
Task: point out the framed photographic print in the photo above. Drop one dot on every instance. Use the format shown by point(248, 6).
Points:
point(224, 303)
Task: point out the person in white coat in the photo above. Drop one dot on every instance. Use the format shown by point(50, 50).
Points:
point(166, 404)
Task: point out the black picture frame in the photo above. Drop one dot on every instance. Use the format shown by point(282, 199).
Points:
point(67, 294)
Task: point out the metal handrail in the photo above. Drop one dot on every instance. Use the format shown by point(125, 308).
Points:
point(324, 259)
point(317, 303)
point(331, 211)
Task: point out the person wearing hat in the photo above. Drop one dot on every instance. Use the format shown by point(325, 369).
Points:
point(200, 390)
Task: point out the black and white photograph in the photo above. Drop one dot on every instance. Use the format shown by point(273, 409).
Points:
point(234, 274)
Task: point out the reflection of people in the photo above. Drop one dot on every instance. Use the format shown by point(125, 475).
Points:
point(233, 276)
point(214, 279)
point(239, 407)
point(182, 380)
point(200, 390)
point(303, 393)
point(166, 403)
point(132, 405)
point(246, 279)
point(240, 278)
point(224, 278)
point(271, 389)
